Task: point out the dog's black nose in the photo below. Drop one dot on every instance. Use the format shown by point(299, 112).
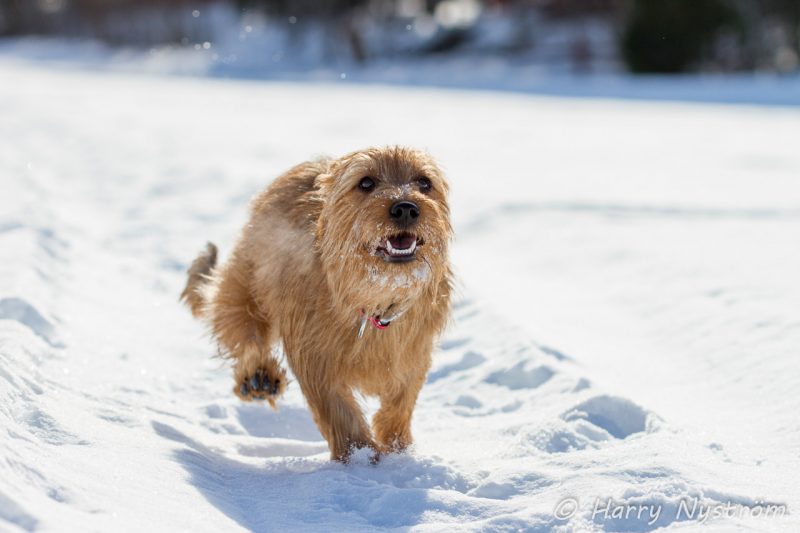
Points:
point(404, 212)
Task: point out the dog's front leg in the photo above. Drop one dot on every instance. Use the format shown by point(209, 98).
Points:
point(392, 422)
point(339, 419)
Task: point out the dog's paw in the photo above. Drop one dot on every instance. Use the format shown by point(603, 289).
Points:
point(261, 385)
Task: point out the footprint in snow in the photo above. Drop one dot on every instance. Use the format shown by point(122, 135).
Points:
point(468, 360)
point(518, 377)
point(616, 416)
point(23, 312)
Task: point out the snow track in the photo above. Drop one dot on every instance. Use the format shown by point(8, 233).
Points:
point(115, 415)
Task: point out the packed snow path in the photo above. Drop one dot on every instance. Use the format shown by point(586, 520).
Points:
point(626, 331)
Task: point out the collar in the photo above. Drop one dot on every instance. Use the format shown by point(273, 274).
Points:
point(376, 320)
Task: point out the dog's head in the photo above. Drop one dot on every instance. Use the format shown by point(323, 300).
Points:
point(384, 228)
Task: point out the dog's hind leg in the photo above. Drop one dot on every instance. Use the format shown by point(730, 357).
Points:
point(246, 334)
point(258, 375)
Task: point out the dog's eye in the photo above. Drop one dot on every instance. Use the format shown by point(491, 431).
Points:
point(366, 184)
point(424, 184)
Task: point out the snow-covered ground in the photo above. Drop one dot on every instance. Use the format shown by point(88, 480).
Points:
point(254, 60)
point(626, 333)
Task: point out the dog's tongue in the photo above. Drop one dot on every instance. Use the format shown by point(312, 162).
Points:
point(402, 242)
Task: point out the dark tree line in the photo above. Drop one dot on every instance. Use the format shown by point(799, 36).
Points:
point(654, 35)
point(677, 35)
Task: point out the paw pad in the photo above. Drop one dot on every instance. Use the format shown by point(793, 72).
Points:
point(260, 386)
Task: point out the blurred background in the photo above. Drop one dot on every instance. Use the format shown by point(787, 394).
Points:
point(479, 39)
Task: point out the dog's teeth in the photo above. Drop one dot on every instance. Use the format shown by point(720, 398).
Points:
point(403, 251)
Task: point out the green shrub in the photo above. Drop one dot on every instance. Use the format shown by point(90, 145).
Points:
point(669, 36)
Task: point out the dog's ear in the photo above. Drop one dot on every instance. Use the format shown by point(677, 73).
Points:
point(345, 166)
point(329, 183)
point(323, 183)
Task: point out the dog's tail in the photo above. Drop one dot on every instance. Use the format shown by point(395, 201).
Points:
point(199, 276)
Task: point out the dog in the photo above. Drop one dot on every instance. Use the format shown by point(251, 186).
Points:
point(344, 262)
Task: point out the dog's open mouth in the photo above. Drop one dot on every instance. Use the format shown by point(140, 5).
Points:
point(399, 248)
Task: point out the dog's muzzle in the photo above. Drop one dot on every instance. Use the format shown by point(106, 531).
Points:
point(404, 213)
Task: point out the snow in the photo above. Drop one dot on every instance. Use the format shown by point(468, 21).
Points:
point(273, 56)
point(625, 335)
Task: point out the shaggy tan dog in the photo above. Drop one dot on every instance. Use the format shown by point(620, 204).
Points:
point(345, 263)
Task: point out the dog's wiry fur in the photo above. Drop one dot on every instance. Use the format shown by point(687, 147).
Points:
point(305, 267)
